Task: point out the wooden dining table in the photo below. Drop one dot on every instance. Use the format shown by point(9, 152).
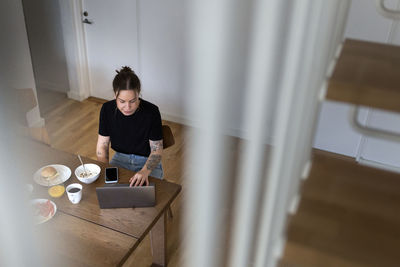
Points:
point(83, 234)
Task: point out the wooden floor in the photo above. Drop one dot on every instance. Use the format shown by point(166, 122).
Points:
point(349, 214)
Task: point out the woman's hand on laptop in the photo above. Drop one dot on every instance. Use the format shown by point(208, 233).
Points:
point(140, 178)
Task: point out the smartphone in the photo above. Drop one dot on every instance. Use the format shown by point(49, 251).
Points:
point(111, 175)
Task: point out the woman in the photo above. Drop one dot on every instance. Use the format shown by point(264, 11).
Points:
point(133, 126)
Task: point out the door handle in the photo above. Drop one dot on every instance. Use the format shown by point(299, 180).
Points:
point(87, 21)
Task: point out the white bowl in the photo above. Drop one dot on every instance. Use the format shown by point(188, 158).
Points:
point(92, 169)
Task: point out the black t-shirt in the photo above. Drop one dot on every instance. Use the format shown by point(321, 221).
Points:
point(131, 134)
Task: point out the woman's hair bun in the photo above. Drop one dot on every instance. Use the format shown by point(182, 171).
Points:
point(125, 69)
point(126, 79)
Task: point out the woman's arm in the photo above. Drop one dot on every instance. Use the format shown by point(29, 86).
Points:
point(152, 162)
point(102, 148)
point(155, 155)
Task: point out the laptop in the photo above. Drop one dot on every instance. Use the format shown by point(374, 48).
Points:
point(122, 196)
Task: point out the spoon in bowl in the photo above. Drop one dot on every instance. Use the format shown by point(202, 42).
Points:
point(83, 166)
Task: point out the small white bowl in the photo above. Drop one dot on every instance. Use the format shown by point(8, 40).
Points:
point(93, 170)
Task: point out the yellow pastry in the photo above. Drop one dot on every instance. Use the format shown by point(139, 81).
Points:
point(56, 191)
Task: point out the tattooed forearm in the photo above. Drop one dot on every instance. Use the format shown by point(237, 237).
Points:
point(102, 148)
point(156, 145)
point(102, 153)
point(153, 161)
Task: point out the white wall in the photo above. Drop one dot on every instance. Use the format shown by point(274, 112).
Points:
point(365, 23)
point(162, 44)
point(16, 66)
point(15, 59)
point(334, 132)
point(46, 44)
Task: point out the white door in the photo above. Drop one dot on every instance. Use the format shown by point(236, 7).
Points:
point(111, 41)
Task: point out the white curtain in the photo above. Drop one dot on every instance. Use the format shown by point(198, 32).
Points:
point(262, 65)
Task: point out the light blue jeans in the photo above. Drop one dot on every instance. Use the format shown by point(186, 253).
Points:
point(135, 163)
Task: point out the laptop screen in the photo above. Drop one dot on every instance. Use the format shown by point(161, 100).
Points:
point(124, 196)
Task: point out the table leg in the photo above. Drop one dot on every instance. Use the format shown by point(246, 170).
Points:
point(158, 237)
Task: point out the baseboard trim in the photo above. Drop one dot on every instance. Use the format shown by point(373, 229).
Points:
point(34, 119)
point(97, 100)
point(38, 123)
point(177, 119)
point(371, 163)
point(229, 131)
point(76, 96)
